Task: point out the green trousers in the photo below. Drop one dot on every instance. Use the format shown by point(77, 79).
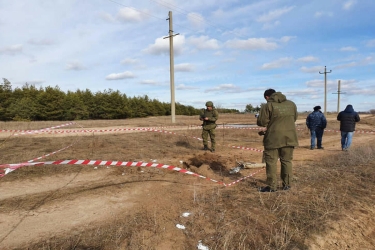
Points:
point(205, 134)
point(286, 156)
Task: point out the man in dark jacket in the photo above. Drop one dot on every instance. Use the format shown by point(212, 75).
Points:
point(209, 117)
point(278, 115)
point(316, 122)
point(347, 119)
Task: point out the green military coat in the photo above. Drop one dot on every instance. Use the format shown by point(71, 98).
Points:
point(279, 116)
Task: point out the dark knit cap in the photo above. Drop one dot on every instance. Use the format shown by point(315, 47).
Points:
point(317, 108)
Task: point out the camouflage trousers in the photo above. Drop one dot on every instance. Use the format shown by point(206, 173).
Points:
point(286, 156)
point(205, 134)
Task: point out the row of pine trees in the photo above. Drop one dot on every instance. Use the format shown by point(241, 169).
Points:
point(29, 103)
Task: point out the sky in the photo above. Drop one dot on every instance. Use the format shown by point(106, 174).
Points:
point(225, 51)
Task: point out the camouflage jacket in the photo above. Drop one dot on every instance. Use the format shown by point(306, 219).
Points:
point(212, 116)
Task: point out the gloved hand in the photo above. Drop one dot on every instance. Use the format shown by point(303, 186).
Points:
point(262, 132)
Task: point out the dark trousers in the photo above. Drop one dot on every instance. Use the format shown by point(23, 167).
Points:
point(316, 134)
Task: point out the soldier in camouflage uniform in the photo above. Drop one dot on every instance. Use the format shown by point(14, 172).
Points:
point(280, 138)
point(209, 117)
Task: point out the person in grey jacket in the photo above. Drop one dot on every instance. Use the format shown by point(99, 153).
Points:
point(316, 122)
point(348, 119)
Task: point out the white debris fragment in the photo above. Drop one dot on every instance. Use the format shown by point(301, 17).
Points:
point(95, 167)
point(186, 214)
point(123, 173)
point(8, 170)
point(154, 160)
point(200, 246)
point(181, 162)
point(179, 226)
point(235, 170)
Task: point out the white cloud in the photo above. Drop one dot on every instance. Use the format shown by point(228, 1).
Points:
point(308, 59)
point(149, 82)
point(323, 13)
point(75, 66)
point(314, 69)
point(184, 67)
point(349, 4)
point(286, 39)
point(161, 46)
point(370, 43)
point(282, 62)
point(119, 76)
point(204, 42)
point(129, 61)
point(367, 60)
point(11, 50)
point(41, 42)
point(106, 17)
point(196, 20)
point(127, 14)
point(274, 14)
point(348, 49)
point(347, 65)
point(251, 44)
point(267, 26)
point(185, 87)
point(228, 88)
point(316, 83)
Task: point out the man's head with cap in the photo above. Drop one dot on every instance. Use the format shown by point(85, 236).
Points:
point(209, 104)
point(316, 108)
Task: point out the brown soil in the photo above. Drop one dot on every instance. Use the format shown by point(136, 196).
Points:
point(64, 206)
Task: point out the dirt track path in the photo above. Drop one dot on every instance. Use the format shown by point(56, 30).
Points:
point(55, 205)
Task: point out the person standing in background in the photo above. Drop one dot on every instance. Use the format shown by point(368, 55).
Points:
point(278, 115)
point(209, 117)
point(348, 119)
point(316, 122)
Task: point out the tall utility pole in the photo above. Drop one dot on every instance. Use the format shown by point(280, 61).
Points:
point(325, 89)
point(338, 95)
point(171, 70)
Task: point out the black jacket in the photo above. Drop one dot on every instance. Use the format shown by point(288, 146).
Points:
point(347, 119)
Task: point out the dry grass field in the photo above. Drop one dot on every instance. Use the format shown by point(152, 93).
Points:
point(88, 206)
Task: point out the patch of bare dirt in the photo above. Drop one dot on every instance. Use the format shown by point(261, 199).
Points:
point(119, 207)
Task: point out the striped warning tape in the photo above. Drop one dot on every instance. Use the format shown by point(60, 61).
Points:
point(7, 168)
point(244, 178)
point(50, 131)
point(45, 129)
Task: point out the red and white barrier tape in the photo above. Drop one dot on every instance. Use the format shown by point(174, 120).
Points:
point(44, 129)
point(11, 167)
point(243, 178)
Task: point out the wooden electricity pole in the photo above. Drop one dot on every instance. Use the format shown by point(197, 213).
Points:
point(171, 62)
point(325, 89)
point(338, 95)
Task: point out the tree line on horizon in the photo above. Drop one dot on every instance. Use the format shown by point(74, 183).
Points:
point(29, 103)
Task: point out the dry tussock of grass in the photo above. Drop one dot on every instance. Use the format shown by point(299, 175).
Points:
point(223, 218)
point(234, 218)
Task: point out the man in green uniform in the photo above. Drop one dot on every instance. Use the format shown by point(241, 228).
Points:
point(209, 117)
point(278, 115)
